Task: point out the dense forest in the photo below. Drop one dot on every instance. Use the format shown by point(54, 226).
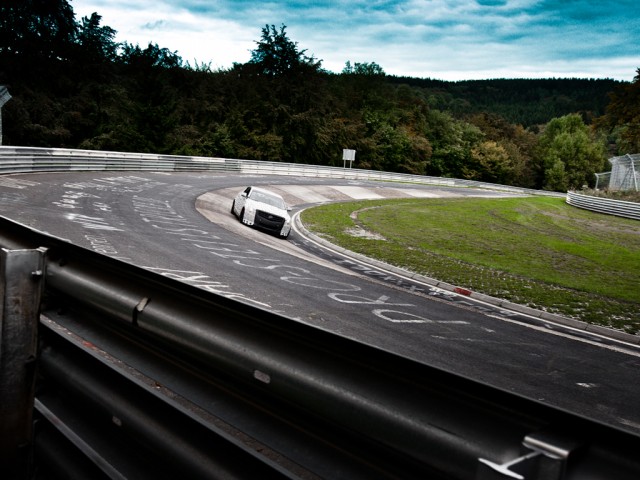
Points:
point(74, 86)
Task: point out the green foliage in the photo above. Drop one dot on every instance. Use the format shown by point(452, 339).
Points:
point(527, 102)
point(622, 118)
point(277, 55)
point(489, 162)
point(570, 154)
point(74, 86)
point(96, 43)
point(452, 141)
point(43, 29)
point(143, 61)
point(368, 69)
point(520, 165)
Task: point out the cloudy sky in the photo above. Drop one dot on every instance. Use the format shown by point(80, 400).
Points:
point(440, 39)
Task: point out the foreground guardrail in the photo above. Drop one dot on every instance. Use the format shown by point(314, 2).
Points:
point(31, 159)
point(140, 376)
point(608, 206)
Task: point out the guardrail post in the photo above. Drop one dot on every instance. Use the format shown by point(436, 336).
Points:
point(545, 458)
point(21, 286)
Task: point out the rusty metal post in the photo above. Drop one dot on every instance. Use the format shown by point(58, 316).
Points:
point(21, 286)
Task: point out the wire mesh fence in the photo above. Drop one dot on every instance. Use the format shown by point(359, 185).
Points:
point(624, 174)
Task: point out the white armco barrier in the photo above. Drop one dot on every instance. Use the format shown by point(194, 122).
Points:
point(32, 159)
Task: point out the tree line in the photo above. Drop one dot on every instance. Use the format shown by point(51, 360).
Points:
point(74, 86)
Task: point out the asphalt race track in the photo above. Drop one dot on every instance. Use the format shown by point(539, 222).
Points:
point(180, 225)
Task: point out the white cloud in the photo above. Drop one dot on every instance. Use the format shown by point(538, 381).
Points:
point(195, 37)
point(445, 39)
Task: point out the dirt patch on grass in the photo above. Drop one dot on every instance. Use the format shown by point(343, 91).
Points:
point(359, 231)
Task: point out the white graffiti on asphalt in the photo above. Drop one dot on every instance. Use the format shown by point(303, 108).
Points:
point(70, 199)
point(125, 184)
point(382, 300)
point(160, 215)
point(398, 316)
point(92, 223)
point(205, 282)
point(101, 245)
point(17, 183)
point(77, 198)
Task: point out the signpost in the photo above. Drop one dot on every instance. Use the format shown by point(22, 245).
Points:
point(348, 155)
point(4, 98)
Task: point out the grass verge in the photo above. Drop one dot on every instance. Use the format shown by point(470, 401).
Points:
point(534, 251)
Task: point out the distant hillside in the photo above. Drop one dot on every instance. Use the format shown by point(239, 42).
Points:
point(526, 102)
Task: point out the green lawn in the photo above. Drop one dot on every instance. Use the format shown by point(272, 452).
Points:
point(535, 251)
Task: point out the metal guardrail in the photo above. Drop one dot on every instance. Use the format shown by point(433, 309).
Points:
point(608, 206)
point(141, 376)
point(31, 159)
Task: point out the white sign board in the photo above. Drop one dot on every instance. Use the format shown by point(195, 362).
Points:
point(348, 155)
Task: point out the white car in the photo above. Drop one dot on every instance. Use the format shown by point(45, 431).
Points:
point(262, 209)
